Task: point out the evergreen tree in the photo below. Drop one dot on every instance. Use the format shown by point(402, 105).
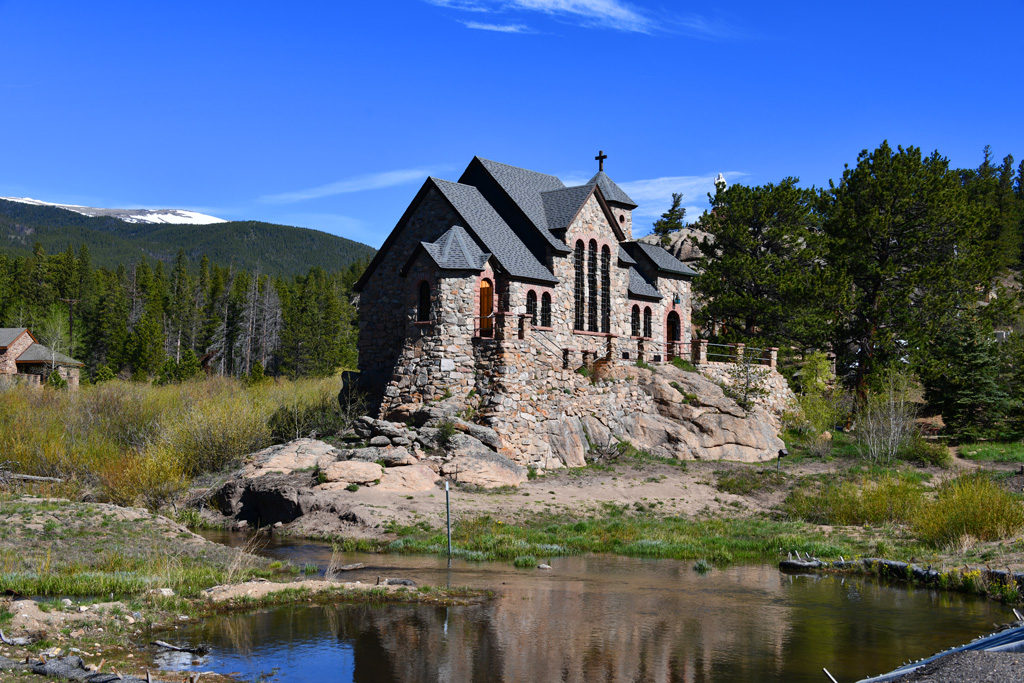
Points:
point(672, 220)
point(964, 380)
point(901, 229)
point(761, 268)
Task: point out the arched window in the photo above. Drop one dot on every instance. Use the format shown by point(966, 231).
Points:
point(647, 322)
point(606, 289)
point(635, 328)
point(578, 292)
point(545, 310)
point(531, 306)
point(423, 309)
point(592, 286)
point(486, 308)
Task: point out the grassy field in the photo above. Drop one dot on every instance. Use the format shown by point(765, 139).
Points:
point(995, 452)
point(132, 443)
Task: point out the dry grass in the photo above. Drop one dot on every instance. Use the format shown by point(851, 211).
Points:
point(137, 442)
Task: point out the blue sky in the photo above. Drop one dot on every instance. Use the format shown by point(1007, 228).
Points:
point(330, 114)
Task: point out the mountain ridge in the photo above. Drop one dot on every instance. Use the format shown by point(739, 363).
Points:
point(250, 245)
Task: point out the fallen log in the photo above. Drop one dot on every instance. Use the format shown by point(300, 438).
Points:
point(198, 650)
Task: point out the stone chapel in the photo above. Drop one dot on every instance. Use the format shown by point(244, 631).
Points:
point(499, 284)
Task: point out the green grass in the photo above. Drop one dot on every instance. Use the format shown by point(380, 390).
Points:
point(684, 365)
point(744, 481)
point(866, 500)
point(994, 451)
point(718, 541)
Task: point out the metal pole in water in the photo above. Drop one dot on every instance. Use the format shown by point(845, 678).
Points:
point(448, 512)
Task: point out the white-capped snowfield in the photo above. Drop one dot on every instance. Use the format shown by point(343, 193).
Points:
point(176, 216)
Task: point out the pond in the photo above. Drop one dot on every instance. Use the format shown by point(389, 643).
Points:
point(592, 618)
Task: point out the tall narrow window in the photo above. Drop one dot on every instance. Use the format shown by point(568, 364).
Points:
point(635, 328)
point(606, 289)
point(545, 310)
point(486, 308)
point(531, 306)
point(592, 286)
point(647, 322)
point(578, 262)
point(423, 309)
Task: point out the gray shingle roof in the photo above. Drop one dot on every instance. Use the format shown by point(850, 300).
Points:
point(9, 334)
point(561, 206)
point(525, 187)
point(663, 260)
point(611, 191)
point(638, 286)
point(625, 257)
point(456, 250)
point(37, 353)
point(493, 231)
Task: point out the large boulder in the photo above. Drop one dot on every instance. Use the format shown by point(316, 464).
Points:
point(485, 469)
point(300, 454)
point(352, 472)
point(408, 479)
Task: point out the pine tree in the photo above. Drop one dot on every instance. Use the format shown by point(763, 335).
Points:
point(672, 220)
point(761, 268)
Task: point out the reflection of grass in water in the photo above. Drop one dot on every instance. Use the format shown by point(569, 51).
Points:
point(996, 452)
point(720, 541)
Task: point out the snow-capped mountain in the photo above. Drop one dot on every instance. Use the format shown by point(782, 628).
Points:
point(176, 216)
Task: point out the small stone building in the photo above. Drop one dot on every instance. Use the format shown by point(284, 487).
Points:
point(498, 284)
point(25, 360)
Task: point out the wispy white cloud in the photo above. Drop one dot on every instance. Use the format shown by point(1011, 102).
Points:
point(370, 181)
point(499, 28)
point(614, 14)
point(654, 195)
point(607, 13)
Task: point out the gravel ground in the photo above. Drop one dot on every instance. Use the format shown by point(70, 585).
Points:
point(977, 667)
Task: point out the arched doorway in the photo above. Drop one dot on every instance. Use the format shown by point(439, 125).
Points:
point(486, 308)
point(673, 331)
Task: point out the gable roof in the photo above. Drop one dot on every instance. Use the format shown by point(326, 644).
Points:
point(525, 187)
point(662, 260)
point(37, 353)
point(9, 334)
point(561, 206)
point(640, 287)
point(625, 257)
point(493, 231)
point(611, 191)
point(456, 250)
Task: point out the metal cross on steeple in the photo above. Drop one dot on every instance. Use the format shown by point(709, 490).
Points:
point(601, 156)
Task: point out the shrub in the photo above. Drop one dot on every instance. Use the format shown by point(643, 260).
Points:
point(446, 434)
point(885, 425)
point(311, 415)
point(971, 505)
point(923, 452)
point(352, 487)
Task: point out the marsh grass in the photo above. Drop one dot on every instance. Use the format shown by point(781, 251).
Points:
point(718, 541)
point(134, 442)
point(971, 506)
point(864, 500)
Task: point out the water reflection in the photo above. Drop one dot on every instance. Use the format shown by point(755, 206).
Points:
point(598, 618)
